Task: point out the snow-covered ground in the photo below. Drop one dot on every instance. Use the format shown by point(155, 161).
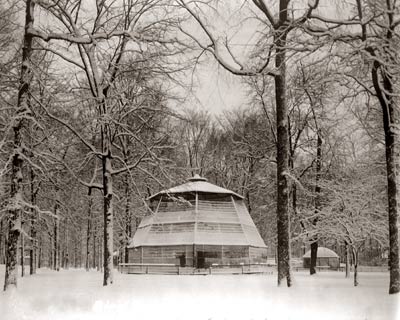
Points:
point(76, 294)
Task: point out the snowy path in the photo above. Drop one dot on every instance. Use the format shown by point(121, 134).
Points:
point(75, 294)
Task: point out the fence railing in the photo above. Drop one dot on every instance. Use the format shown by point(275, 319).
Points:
point(166, 268)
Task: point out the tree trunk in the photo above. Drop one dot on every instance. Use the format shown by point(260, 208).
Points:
point(314, 244)
point(75, 253)
point(108, 219)
point(128, 219)
point(89, 229)
point(66, 262)
point(101, 255)
point(2, 243)
point(283, 216)
point(32, 251)
point(39, 255)
point(56, 239)
point(313, 258)
point(391, 118)
point(347, 261)
point(95, 261)
point(56, 248)
point(14, 213)
point(22, 251)
point(355, 258)
point(392, 165)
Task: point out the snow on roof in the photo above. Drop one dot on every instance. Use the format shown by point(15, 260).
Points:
point(322, 253)
point(208, 223)
point(196, 184)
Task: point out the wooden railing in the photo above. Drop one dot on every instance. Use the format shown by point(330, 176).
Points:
point(149, 268)
point(166, 268)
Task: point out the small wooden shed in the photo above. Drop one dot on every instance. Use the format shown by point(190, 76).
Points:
point(325, 257)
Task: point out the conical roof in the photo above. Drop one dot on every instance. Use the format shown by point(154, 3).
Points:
point(322, 253)
point(203, 222)
point(196, 184)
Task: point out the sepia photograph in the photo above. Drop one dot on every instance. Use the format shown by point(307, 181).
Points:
point(199, 159)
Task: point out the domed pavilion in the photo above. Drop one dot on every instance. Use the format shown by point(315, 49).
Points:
point(197, 224)
point(325, 257)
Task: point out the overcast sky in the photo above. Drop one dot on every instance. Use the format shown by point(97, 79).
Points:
point(218, 90)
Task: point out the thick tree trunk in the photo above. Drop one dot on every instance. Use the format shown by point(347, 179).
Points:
point(392, 165)
point(313, 258)
point(391, 118)
point(283, 216)
point(2, 243)
point(314, 244)
point(108, 219)
point(14, 213)
point(89, 229)
point(128, 219)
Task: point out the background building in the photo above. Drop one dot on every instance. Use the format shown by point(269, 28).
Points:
point(325, 257)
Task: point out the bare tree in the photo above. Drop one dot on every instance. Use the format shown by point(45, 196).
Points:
point(280, 25)
point(139, 28)
point(370, 35)
point(15, 207)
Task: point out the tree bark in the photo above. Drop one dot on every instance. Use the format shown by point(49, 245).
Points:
point(355, 258)
point(66, 258)
point(56, 242)
point(32, 251)
point(14, 212)
point(75, 253)
point(108, 218)
point(101, 249)
point(2, 243)
point(391, 119)
point(95, 260)
point(128, 219)
point(56, 239)
point(22, 251)
point(39, 255)
point(314, 244)
point(392, 165)
point(347, 261)
point(313, 258)
point(89, 229)
point(283, 215)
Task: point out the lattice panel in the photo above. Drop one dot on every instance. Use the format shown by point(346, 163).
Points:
point(172, 228)
point(217, 211)
point(170, 206)
point(177, 216)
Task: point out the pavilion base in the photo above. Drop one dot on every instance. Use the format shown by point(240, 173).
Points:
point(135, 268)
point(198, 256)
